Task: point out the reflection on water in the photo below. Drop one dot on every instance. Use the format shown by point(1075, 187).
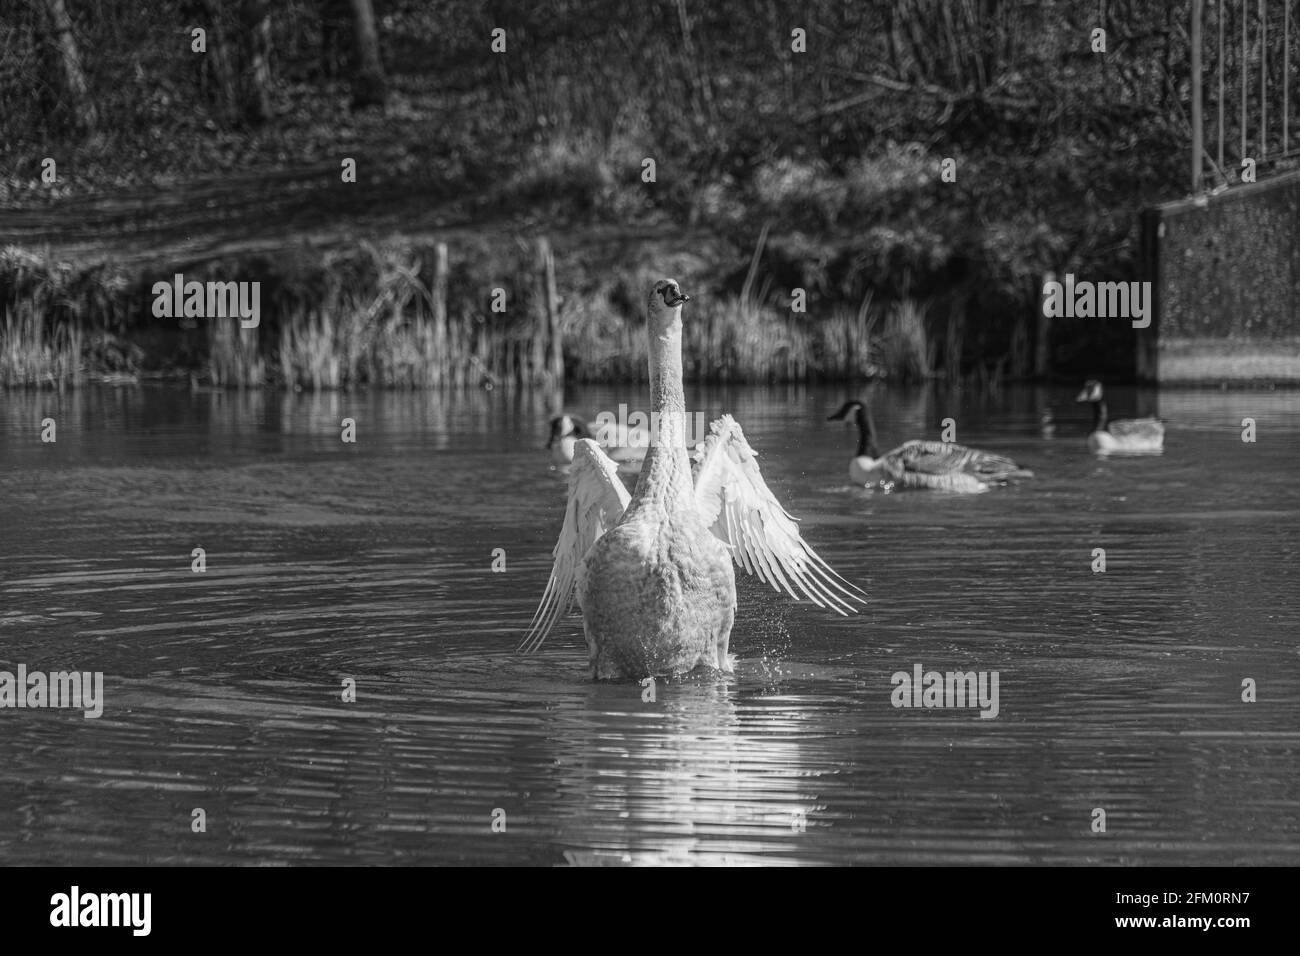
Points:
point(371, 562)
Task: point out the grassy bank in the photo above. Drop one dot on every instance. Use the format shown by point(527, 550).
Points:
point(392, 316)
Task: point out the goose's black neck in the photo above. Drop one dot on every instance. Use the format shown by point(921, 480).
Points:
point(866, 434)
point(1100, 416)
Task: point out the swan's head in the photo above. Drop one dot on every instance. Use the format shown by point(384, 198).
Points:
point(1091, 391)
point(665, 305)
point(562, 426)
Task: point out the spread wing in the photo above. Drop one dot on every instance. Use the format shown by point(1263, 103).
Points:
point(733, 499)
point(946, 458)
point(597, 500)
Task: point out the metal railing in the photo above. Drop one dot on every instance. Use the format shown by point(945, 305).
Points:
point(1249, 49)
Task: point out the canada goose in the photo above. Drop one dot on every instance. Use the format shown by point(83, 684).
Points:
point(939, 465)
point(1047, 422)
point(652, 571)
point(1133, 436)
point(621, 442)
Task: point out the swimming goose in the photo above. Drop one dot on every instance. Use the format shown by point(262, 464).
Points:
point(621, 442)
point(1047, 422)
point(942, 466)
point(1133, 436)
point(652, 571)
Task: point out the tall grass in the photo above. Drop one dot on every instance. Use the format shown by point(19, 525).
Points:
point(32, 356)
point(309, 357)
point(45, 308)
point(234, 356)
point(848, 347)
point(906, 349)
point(387, 316)
point(740, 338)
point(396, 323)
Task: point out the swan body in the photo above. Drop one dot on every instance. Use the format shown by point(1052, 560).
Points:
point(1127, 436)
point(620, 442)
point(658, 594)
point(933, 465)
point(653, 571)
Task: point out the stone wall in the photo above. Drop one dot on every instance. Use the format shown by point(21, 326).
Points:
point(1226, 277)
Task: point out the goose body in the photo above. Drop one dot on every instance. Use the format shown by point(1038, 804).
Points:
point(620, 442)
point(1047, 423)
point(653, 571)
point(920, 464)
point(1126, 436)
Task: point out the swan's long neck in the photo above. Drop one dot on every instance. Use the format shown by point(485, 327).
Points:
point(666, 473)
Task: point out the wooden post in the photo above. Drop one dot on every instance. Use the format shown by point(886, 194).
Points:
point(1147, 357)
point(1043, 336)
point(554, 360)
point(953, 344)
point(438, 304)
point(1198, 118)
point(1244, 18)
point(1019, 349)
point(1220, 14)
point(1263, 80)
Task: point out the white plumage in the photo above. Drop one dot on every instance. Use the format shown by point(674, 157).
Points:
point(653, 571)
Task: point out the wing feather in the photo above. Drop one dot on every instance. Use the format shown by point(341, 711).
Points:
point(947, 458)
point(597, 500)
point(734, 500)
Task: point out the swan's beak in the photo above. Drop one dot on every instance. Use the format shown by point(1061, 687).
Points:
point(675, 300)
point(1082, 396)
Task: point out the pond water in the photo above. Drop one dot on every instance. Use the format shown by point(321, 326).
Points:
point(373, 562)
